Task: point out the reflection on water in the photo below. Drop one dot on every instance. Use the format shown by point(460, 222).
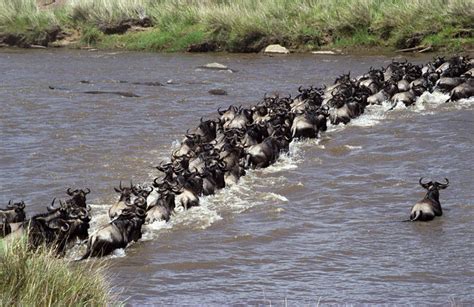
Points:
point(322, 225)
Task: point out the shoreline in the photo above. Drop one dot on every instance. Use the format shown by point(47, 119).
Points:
point(336, 52)
point(241, 27)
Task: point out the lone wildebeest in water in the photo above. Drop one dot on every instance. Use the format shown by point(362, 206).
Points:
point(429, 207)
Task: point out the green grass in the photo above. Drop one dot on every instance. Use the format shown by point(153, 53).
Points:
point(361, 38)
point(24, 17)
point(38, 278)
point(176, 39)
point(248, 25)
point(106, 11)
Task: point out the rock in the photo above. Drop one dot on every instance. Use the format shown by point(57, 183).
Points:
point(123, 94)
point(37, 47)
point(275, 48)
point(217, 91)
point(148, 83)
point(325, 52)
point(216, 66)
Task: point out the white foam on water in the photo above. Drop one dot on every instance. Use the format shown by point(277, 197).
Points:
point(275, 196)
point(118, 253)
point(151, 231)
point(464, 103)
point(372, 116)
point(429, 101)
point(245, 194)
point(200, 217)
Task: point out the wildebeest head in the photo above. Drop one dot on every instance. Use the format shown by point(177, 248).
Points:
point(79, 220)
point(78, 197)
point(227, 115)
point(432, 186)
point(207, 129)
point(14, 212)
point(125, 192)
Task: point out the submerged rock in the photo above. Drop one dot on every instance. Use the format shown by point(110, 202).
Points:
point(275, 48)
point(216, 66)
point(217, 91)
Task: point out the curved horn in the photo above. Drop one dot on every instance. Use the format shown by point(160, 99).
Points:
point(65, 226)
point(69, 192)
point(21, 205)
point(424, 185)
point(140, 212)
point(52, 207)
point(120, 185)
point(62, 204)
point(73, 215)
point(9, 206)
point(87, 192)
point(84, 214)
point(443, 185)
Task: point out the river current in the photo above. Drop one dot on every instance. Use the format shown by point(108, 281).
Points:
point(321, 226)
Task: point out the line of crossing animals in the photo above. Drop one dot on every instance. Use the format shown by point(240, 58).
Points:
point(219, 151)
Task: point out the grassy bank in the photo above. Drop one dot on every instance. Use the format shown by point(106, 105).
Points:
point(248, 26)
point(38, 278)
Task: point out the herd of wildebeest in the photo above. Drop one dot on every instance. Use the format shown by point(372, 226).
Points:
point(219, 151)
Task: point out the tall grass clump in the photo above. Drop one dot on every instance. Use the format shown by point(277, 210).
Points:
point(107, 11)
point(21, 16)
point(402, 19)
point(38, 278)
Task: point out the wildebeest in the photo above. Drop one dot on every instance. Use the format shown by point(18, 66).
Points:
point(14, 213)
point(125, 200)
point(126, 228)
point(163, 208)
point(78, 197)
point(429, 207)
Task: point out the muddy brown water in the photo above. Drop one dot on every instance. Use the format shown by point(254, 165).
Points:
point(320, 226)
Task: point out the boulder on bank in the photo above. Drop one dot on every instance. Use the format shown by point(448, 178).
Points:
point(276, 48)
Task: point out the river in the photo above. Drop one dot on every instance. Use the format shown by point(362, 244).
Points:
point(321, 226)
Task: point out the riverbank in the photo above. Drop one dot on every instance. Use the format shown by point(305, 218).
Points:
point(38, 278)
point(239, 26)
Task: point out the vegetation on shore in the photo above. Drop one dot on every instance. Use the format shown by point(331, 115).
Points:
point(38, 278)
point(246, 26)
